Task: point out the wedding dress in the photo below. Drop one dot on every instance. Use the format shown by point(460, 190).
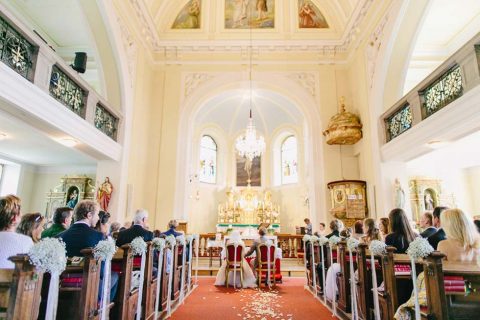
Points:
point(249, 280)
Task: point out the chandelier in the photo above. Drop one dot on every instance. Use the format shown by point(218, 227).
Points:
point(248, 145)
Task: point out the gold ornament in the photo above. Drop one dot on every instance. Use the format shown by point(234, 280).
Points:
point(344, 127)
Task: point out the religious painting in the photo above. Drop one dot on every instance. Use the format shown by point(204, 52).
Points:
point(246, 14)
point(289, 160)
point(309, 16)
point(72, 197)
point(189, 16)
point(249, 171)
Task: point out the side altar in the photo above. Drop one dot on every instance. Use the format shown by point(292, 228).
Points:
point(248, 208)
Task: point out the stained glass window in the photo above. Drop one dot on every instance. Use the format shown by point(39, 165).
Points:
point(208, 160)
point(289, 160)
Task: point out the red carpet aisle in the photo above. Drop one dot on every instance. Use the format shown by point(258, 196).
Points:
point(289, 301)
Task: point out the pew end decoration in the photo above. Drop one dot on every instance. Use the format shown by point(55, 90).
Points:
point(314, 240)
point(182, 241)
point(159, 245)
point(171, 241)
point(139, 248)
point(377, 248)
point(352, 245)
point(105, 250)
point(333, 242)
point(418, 248)
point(322, 241)
point(49, 255)
point(305, 239)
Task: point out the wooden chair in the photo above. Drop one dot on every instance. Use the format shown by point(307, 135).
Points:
point(262, 267)
point(231, 263)
point(20, 290)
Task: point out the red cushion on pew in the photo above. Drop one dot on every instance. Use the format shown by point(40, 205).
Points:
point(71, 280)
point(137, 262)
point(354, 258)
point(402, 269)
point(116, 267)
point(377, 265)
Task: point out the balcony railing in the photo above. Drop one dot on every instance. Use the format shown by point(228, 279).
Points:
point(452, 79)
point(27, 54)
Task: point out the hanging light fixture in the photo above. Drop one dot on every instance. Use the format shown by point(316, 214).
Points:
point(248, 145)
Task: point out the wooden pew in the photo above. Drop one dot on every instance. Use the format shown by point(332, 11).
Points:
point(164, 282)
point(150, 284)
point(78, 291)
point(443, 305)
point(177, 272)
point(364, 282)
point(126, 299)
point(20, 290)
point(318, 268)
point(343, 277)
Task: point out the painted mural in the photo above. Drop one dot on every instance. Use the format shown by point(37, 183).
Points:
point(189, 16)
point(309, 16)
point(246, 14)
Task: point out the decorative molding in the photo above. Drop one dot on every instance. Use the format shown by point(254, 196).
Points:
point(306, 80)
point(373, 48)
point(130, 48)
point(147, 25)
point(193, 80)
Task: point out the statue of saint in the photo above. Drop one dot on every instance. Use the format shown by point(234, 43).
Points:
point(72, 199)
point(104, 193)
point(399, 195)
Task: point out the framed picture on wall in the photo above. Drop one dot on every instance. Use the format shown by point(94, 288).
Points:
point(246, 168)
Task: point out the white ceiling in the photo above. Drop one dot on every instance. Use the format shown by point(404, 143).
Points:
point(459, 154)
point(447, 26)
point(230, 109)
point(28, 145)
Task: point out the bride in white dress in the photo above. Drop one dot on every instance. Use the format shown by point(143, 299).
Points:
point(249, 280)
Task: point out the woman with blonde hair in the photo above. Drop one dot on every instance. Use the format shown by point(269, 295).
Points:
point(31, 225)
point(371, 231)
point(384, 227)
point(463, 240)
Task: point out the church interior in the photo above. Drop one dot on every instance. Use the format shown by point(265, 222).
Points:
point(263, 142)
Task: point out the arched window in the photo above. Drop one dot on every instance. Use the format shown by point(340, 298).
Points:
point(289, 160)
point(208, 160)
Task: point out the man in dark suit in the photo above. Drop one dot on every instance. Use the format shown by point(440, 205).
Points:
point(262, 239)
point(172, 225)
point(81, 235)
point(426, 223)
point(138, 229)
point(440, 235)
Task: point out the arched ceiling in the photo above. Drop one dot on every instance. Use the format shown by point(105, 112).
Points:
point(347, 21)
point(230, 110)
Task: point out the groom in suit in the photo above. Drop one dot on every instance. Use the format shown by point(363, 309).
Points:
point(262, 239)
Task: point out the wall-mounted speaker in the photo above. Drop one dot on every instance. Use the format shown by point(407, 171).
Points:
point(80, 62)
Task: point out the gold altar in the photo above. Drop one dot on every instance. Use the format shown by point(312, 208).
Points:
point(248, 206)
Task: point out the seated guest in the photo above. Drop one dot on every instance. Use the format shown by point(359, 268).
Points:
point(31, 225)
point(463, 240)
point(384, 227)
point(102, 224)
point(371, 231)
point(358, 230)
point(12, 243)
point(462, 245)
point(440, 235)
point(335, 226)
point(156, 233)
point(262, 239)
point(402, 233)
point(172, 225)
point(81, 234)
point(426, 223)
point(62, 218)
point(115, 227)
point(321, 230)
point(137, 230)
